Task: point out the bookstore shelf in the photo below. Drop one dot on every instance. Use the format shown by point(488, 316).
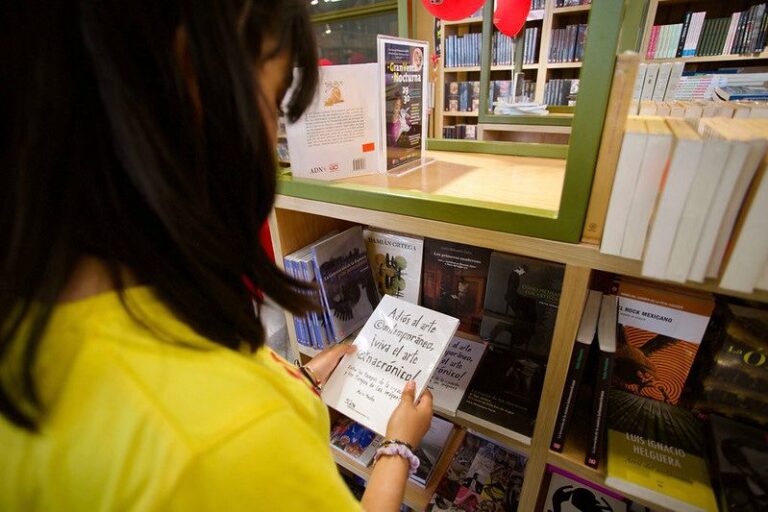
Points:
point(571, 10)
point(462, 69)
point(460, 114)
point(465, 21)
point(563, 65)
point(714, 58)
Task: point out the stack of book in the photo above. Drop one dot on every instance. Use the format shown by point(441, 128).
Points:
point(460, 131)
point(462, 96)
point(530, 53)
point(462, 51)
point(742, 33)
point(537, 5)
point(561, 91)
point(567, 44)
point(697, 109)
point(692, 204)
point(503, 50)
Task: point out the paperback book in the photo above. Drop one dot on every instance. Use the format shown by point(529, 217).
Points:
point(660, 331)
point(430, 449)
point(656, 452)
point(567, 490)
point(454, 281)
point(454, 373)
point(400, 342)
point(482, 476)
point(347, 288)
point(354, 440)
point(396, 263)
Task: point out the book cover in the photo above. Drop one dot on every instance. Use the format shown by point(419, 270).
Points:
point(606, 337)
point(464, 96)
point(404, 88)
point(566, 490)
point(396, 263)
point(584, 338)
point(660, 331)
point(454, 281)
point(430, 449)
point(346, 281)
point(400, 342)
point(354, 440)
point(656, 452)
point(453, 374)
point(339, 132)
point(740, 465)
point(482, 476)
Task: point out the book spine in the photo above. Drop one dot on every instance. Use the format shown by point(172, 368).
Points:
point(651, 53)
point(683, 34)
point(743, 20)
point(726, 50)
point(568, 401)
point(599, 410)
point(756, 25)
point(760, 46)
point(703, 39)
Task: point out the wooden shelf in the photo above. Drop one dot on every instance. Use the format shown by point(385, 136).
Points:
point(415, 497)
point(503, 67)
point(563, 65)
point(581, 255)
point(308, 351)
point(460, 114)
point(531, 66)
point(714, 58)
point(571, 10)
point(465, 21)
point(461, 69)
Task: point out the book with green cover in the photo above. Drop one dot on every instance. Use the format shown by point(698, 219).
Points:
point(656, 452)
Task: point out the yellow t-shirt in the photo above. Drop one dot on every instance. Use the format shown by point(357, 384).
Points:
point(135, 423)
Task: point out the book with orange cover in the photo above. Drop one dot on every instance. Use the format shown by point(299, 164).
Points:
point(660, 331)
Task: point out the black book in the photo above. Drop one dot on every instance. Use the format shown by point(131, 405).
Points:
point(684, 34)
point(584, 338)
point(607, 331)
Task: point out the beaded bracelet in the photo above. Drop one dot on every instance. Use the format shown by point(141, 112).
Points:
point(395, 447)
point(310, 376)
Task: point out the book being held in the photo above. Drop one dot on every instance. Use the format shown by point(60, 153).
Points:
point(400, 342)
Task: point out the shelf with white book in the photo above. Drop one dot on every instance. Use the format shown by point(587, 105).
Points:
point(715, 58)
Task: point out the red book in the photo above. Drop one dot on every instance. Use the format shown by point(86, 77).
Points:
point(651, 53)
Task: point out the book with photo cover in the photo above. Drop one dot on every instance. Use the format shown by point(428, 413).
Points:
point(396, 262)
point(482, 476)
point(454, 281)
point(430, 449)
point(354, 440)
point(567, 490)
point(400, 342)
point(660, 331)
point(740, 465)
point(454, 373)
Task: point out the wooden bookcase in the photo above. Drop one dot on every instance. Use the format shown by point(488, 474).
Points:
point(662, 12)
point(298, 221)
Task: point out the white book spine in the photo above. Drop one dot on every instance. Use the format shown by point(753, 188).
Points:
point(651, 72)
point(682, 168)
point(674, 81)
point(665, 70)
point(639, 81)
point(645, 194)
point(713, 160)
point(731, 33)
point(632, 150)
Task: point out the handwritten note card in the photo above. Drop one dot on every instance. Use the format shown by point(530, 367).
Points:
point(399, 342)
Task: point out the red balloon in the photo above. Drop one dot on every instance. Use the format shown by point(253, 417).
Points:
point(510, 16)
point(452, 10)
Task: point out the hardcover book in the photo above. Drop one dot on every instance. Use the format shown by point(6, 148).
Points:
point(453, 374)
point(740, 465)
point(567, 490)
point(584, 338)
point(454, 281)
point(430, 449)
point(660, 331)
point(482, 476)
point(396, 263)
point(656, 452)
point(400, 342)
point(355, 440)
point(346, 282)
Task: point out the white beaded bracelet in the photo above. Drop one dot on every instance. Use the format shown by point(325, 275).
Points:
point(401, 450)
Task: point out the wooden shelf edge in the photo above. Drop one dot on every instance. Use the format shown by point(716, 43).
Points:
point(712, 58)
point(459, 114)
point(563, 65)
point(465, 21)
point(461, 69)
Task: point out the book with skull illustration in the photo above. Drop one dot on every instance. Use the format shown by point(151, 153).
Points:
point(347, 288)
point(396, 263)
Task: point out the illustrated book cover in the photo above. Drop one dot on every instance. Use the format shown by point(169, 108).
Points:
point(454, 281)
point(347, 288)
point(396, 263)
point(430, 449)
point(454, 373)
point(482, 476)
point(660, 331)
point(400, 342)
point(567, 490)
point(656, 452)
point(355, 440)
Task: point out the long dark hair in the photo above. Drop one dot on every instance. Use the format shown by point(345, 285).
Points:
point(106, 151)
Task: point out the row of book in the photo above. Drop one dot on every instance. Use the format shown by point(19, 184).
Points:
point(692, 204)
point(657, 82)
point(503, 50)
point(538, 5)
point(567, 44)
point(463, 51)
point(570, 3)
point(460, 131)
point(742, 33)
point(530, 45)
point(561, 91)
point(462, 96)
point(697, 109)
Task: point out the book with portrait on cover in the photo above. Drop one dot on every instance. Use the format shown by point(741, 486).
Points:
point(400, 342)
point(396, 262)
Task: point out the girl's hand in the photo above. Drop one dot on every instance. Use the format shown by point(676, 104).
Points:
point(411, 421)
point(323, 364)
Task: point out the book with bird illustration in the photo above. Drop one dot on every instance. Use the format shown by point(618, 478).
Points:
point(396, 263)
point(660, 331)
point(347, 289)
